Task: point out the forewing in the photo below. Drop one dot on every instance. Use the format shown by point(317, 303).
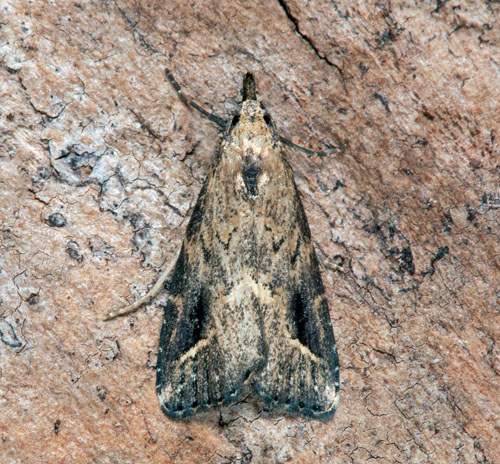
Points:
point(211, 339)
point(301, 371)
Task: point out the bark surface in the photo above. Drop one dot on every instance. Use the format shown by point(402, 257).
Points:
point(100, 166)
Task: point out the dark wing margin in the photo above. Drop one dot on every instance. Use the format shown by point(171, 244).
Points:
point(181, 382)
point(302, 372)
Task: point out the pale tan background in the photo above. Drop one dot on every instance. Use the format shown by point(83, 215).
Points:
point(100, 166)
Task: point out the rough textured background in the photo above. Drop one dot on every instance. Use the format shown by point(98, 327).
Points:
point(100, 165)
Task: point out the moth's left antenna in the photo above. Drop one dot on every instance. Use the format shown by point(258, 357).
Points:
point(187, 101)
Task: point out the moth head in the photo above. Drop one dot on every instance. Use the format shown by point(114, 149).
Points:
point(252, 128)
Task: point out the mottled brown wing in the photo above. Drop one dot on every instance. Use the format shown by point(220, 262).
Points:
point(301, 371)
point(211, 340)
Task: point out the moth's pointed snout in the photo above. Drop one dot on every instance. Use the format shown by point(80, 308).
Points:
point(248, 90)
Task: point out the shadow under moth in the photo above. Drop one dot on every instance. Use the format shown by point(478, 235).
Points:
point(246, 308)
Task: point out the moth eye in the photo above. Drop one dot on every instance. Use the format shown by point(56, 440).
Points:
point(234, 121)
point(268, 119)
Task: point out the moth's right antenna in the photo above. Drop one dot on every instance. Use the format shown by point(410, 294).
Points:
point(311, 152)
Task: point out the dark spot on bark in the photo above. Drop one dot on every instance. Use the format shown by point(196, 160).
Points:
point(43, 173)
point(447, 222)
point(406, 260)
point(101, 391)
point(440, 254)
point(382, 100)
point(72, 248)
point(337, 185)
point(57, 220)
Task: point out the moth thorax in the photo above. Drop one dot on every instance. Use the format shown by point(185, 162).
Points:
point(250, 176)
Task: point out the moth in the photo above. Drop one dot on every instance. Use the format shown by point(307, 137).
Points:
point(246, 308)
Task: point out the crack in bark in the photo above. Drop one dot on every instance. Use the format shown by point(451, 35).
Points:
point(138, 36)
point(306, 38)
point(146, 126)
point(43, 113)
